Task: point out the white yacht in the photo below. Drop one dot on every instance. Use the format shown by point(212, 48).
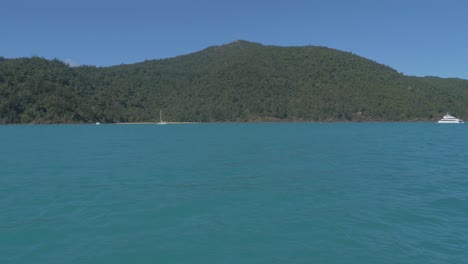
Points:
point(448, 119)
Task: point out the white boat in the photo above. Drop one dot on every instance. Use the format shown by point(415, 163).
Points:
point(161, 122)
point(448, 119)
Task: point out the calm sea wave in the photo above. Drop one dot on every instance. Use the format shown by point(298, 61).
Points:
point(234, 193)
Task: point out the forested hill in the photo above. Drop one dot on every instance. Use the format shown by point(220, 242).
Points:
point(240, 81)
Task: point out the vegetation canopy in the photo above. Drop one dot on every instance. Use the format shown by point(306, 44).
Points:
point(240, 81)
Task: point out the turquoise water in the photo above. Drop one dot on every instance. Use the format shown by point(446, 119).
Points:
point(234, 193)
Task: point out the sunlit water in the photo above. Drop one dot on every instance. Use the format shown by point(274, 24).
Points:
point(234, 193)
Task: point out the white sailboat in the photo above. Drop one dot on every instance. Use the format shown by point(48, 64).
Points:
point(161, 122)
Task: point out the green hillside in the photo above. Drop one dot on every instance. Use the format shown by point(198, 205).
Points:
point(240, 81)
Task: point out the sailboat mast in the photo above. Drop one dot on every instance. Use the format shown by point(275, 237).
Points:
point(160, 116)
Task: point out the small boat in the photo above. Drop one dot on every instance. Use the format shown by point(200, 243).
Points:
point(161, 122)
point(448, 119)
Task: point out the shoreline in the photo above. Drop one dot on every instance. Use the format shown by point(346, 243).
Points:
point(231, 122)
point(149, 123)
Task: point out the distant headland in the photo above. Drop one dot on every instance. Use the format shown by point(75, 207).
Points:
point(238, 82)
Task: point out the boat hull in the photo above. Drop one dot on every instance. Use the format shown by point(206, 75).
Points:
point(450, 122)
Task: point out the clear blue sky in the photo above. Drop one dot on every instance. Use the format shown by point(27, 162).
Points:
point(414, 37)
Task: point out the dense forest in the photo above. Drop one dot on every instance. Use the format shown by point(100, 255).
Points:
point(240, 81)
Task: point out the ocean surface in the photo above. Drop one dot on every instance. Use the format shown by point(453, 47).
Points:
point(234, 193)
